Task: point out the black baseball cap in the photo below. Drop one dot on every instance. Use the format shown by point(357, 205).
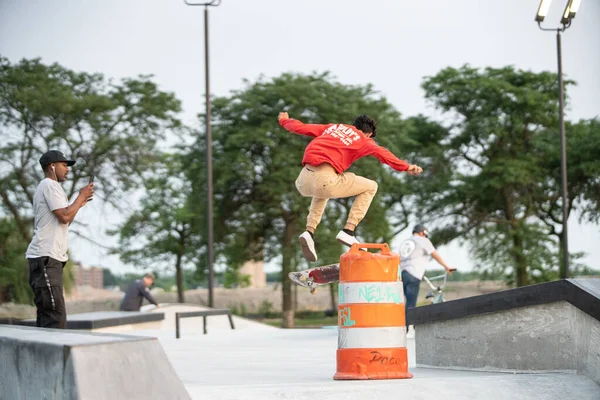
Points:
point(54, 156)
point(421, 228)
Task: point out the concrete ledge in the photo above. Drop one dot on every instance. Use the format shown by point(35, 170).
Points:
point(39, 363)
point(553, 326)
point(543, 338)
point(582, 293)
point(103, 319)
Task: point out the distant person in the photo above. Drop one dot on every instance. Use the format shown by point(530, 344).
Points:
point(326, 158)
point(414, 256)
point(136, 292)
point(47, 252)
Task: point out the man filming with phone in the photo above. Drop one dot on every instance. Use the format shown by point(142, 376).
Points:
point(47, 252)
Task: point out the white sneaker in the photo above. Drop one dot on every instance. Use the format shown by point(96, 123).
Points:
point(308, 246)
point(346, 239)
point(411, 332)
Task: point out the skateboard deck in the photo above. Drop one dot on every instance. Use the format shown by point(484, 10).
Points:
point(313, 277)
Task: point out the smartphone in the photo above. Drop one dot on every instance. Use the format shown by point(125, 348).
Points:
point(92, 176)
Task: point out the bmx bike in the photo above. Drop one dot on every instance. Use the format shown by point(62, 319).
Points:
point(436, 294)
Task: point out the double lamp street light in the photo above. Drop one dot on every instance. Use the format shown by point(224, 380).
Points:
point(567, 18)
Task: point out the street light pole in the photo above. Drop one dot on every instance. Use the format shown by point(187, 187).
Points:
point(564, 273)
point(567, 18)
point(209, 177)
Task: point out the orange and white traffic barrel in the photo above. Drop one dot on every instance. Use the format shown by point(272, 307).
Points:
point(371, 316)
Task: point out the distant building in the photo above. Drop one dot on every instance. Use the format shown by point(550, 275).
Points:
point(256, 271)
point(88, 276)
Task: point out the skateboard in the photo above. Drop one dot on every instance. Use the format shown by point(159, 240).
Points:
point(313, 277)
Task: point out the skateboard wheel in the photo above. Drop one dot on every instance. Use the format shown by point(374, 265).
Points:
point(313, 290)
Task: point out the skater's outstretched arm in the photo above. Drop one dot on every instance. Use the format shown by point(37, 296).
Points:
point(295, 126)
point(387, 157)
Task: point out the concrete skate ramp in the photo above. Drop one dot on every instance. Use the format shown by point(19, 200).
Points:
point(540, 328)
point(39, 363)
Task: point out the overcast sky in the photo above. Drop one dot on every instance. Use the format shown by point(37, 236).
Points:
point(392, 44)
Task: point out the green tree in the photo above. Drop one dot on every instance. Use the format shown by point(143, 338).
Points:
point(108, 278)
point(234, 278)
point(111, 128)
point(584, 153)
point(192, 278)
point(14, 269)
point(160, 232)
point(499, 175)
point(69, 276)
point(258, 211)
point(583, 179)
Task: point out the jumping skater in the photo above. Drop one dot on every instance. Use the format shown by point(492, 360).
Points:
point(326, 158)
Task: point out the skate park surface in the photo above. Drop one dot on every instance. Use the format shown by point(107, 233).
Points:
point(265, 364)
point(257, 361)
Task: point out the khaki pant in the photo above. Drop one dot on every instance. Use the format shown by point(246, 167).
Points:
point(323, 183)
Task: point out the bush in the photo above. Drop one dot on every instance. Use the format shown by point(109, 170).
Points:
point(240, 310)
point(266, 309)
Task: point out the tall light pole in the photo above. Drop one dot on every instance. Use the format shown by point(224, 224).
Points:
point(567, 18)
point(209, 180)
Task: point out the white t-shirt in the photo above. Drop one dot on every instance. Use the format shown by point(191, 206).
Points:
point(414, 255)
point(50, 236)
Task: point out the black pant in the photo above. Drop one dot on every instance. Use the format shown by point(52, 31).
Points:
point(45, 279)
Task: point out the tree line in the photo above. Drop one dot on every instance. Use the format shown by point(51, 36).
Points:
point(491, 161)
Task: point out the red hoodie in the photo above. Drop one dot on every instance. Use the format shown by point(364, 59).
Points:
point(339, 145)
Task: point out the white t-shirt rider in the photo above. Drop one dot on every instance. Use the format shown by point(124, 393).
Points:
point(414, 255)
point(50, 236)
